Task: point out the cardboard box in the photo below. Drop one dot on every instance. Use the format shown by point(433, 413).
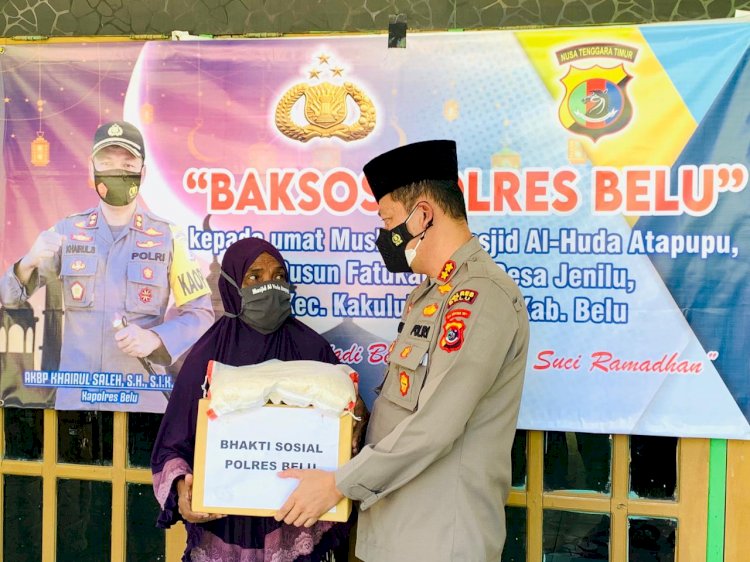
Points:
point(238, 456)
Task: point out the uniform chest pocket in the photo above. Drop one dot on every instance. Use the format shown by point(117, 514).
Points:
point(79, 278)
point(406, 373)
point(147, 288)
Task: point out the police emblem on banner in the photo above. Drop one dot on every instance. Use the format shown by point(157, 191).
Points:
point(326, 107)
point(596, 101)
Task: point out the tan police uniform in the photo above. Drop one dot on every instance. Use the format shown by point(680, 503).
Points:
point(435, 474)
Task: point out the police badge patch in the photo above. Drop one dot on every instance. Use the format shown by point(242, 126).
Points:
point(453, 330)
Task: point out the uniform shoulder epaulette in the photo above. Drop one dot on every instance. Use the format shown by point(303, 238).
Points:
point(494, 274)
point(150, 224)
point(150, 215)
point(477, 268)
point(82, 213)
point(85, 219)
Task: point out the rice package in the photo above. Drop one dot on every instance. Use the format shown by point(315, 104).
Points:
point(330, 388)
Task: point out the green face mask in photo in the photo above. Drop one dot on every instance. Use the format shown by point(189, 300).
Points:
point(117, 187)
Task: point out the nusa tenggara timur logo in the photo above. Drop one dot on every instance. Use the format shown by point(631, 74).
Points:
point(596, 100)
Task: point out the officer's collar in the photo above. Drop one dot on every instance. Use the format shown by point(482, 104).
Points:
point(459, 257)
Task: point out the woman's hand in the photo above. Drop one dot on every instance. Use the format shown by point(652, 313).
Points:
point(184, 503)
point(359, 427)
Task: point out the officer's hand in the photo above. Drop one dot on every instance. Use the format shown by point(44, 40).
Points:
point(184, 503)
point(315, 494)
point(137, 342)
point(46, 245)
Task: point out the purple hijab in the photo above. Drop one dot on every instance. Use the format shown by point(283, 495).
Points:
point(233, 342)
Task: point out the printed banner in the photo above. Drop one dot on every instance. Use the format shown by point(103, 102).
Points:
point(605, 169)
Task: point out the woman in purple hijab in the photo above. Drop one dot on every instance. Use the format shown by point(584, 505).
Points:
point(257, 326)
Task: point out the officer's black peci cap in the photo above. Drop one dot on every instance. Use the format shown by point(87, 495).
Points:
point(119, 133)
point(411, 163)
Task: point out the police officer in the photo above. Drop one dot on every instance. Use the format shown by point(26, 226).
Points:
point(435, 473)
point(119, 265)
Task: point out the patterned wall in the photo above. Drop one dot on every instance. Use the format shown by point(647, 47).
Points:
point(236, 17)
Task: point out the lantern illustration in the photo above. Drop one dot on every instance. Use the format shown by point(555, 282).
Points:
point(40, 145)
point(40, 150)
point(451, 110)
point(147, 113)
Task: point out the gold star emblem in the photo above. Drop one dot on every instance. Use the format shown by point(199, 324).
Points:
point(314, 73)
point(337, 71)
point(323, 59)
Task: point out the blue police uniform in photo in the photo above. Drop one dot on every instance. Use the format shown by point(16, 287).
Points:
point(113, 276)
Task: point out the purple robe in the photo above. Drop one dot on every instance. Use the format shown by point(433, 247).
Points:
point(231, 341)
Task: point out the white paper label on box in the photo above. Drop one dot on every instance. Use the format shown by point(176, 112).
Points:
point(246, 450)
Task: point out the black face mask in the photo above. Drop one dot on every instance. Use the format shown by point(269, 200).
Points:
point(265, 307)
point(392, 246)
point(121, 186)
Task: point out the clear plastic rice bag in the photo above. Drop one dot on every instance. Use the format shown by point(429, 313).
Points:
point(330, 388)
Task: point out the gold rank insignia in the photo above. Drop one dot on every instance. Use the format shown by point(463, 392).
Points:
point(147, 244)
point(151, 231)
point(81, 237)
point(448, 268)
point(77, 265)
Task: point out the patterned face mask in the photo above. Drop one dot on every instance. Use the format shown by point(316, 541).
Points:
point(392, 246)
point(266, 306)
point(117, 187)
